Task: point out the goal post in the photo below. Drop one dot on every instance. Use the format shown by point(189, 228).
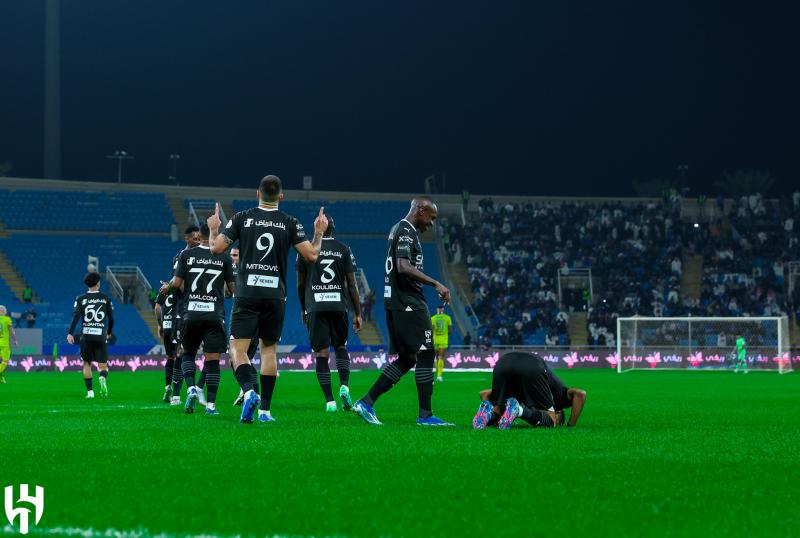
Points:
point(702, 343)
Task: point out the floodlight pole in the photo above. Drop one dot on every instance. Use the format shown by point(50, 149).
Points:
point(174, 157)
point(120, 155)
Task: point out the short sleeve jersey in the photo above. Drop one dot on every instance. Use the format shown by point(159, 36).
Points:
point(265, 237)
point(177, 306)
point(5, 331)
point(441, 325)
point(95, 312)
point(401, 292)
point(326, 279)
point(167, 303)
point(204, 275)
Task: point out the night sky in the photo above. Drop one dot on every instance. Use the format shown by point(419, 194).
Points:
point(542, 98)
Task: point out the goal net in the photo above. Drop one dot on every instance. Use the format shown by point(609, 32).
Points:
point(702, 343)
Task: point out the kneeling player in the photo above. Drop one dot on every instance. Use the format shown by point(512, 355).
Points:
point(321, 287)
point(93, 309)
point(198, 273)
point(524, 386)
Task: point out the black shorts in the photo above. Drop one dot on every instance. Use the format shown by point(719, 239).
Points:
point(524, 377)
point(94, 350)
point(209, 333)
point(327, 328)
point(409, 331)
point(258, 317)
point(170, 347)
point(251, 350)
point(178, 328)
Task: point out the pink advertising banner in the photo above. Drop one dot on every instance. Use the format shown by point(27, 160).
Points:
point(458, 360)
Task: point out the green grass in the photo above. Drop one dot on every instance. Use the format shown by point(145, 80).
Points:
point(656, 453)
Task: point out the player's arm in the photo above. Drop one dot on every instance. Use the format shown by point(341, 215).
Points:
point(76, 316)
point(356, 300)
point(13, 334)
point(407, 269)
point(310, 251)
point(449, 325)
point(110, 318)
point(485, 395)
point(300, 270)
point(219, 242)
point(578, 399)
point(230, 281)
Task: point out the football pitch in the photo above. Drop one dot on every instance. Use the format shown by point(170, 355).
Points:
point(655, 453)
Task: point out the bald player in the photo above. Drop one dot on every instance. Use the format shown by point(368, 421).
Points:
point(407, 316)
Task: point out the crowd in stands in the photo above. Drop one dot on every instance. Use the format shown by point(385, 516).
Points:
point(635, 251)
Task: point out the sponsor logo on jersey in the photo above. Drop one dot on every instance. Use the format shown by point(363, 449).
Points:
point(266, 223)
point(327, 297)
point(262, 281)
point(203, 261)
point(199, 306)
point(333, 253)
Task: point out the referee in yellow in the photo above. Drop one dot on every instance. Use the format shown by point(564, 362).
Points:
point(442, 327)
point(6, 334)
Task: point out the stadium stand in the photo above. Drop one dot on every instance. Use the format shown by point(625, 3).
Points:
point(635, 252)
point(90, 211)
point(132, 229)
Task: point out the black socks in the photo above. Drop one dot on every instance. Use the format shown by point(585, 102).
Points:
point(324, 378)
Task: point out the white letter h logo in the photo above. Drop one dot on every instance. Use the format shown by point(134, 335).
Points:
point(12, 513)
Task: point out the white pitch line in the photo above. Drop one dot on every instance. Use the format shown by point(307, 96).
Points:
point(134, 533)
point(14, 410)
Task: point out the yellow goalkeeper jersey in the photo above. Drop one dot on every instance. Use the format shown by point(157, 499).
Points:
point(441, 326)
point(5, 332)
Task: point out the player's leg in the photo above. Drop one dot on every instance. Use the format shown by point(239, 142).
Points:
point(169, 364)
point(323, 371)
point(5, 356)
point(214, 344)
point(339, 331)
point(87, 378)
point(251, 353)
point(391, 373)
point(270, 326)
point(201, 381)
point(420, 336)
point(192, 338)
point(537, 417)
point(87, 356)
point(244, 325)
point(177, 372)
point(319, 335)
point(101, 357)
point(268, 376)
point(441, 349)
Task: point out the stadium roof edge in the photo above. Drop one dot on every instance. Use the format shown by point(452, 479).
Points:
point(231, 193)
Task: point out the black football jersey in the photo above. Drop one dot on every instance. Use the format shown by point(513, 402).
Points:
point(204, 275)
point(265, 237)
point(558, 390)
point(167, 303)
point(178, 306)
point(401, 292)
point(326, 280)
point(95, 313)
